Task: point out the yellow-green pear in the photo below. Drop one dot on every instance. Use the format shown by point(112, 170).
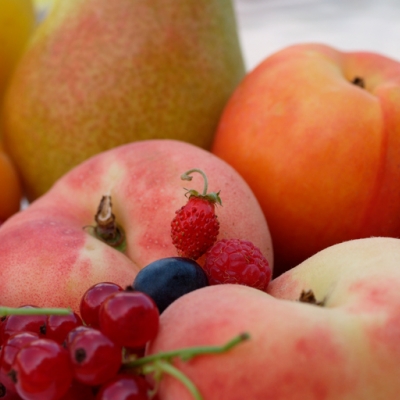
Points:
point(17, 23)
point(101, 73)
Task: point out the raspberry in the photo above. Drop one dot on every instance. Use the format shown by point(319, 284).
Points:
point(195, 227)
point(237, 261)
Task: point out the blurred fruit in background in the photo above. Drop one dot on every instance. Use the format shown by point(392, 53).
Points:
point(100, 74)
point(17, 22)
point(42, 8)
point(10, 187)
point(315, 132)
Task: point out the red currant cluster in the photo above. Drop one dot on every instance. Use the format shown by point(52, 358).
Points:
point(69, 357)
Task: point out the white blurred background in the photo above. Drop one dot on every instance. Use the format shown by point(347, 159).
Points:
point(266, 26)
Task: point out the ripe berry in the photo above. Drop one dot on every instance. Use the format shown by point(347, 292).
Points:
point(2, 319)
point(78, 391)
point(167, 279)
point(95, 358)
point(58, 326)
point(92, 300)
point(124, 387)
point(73, 332)
point(195, 227)
point(237, 261)
point(24, 323)
point(7, 356)
point(129, 318)
point(42, 370)
point(6, 395)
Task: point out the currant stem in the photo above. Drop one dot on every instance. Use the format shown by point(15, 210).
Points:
point(189, 352)
point(162, 366)
point(161, 362)
point(5, 311)
point(186, 177)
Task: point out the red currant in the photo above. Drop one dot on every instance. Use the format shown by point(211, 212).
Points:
point(129, 318)
point(78, 391)
point(58, 326)
point(2, 319)
point(73, 332)
point(8, 352)
point(42, 370)
point(92, 300)
point(95, 358)
point(136, 352)
point(6, 395)
point(24, 323)
point(124, 387)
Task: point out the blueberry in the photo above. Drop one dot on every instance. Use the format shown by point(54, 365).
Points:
point(167, 279)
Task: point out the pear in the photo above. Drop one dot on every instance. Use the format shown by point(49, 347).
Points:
point(17, 23)
point(98, 74)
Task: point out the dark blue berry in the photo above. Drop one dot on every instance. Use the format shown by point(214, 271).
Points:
point(167, 279)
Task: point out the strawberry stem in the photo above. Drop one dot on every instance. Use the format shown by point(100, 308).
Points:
point(186, 177)
point(212, 197)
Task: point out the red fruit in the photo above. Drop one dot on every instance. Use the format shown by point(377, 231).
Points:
point(129, 319)
point(7, 395)
point(195, 227)
point(7, 356)
point(237, 261)
point(73, 332)
point(42, 370)
point(78, 391)
point(24, 323)
point(95, 358)
point(124, 387)
point(58, 326)
point(93, 299)
point(2, 320)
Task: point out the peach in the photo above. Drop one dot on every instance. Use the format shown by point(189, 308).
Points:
point(346, 349)
point(48, 255)
point(315, 132)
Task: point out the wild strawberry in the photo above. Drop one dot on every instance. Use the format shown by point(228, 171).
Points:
point(195, 227)
point(237, 261)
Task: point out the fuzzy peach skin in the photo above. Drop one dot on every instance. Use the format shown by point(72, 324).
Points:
point(48, 258)
point(320, 153)
point(349, 349)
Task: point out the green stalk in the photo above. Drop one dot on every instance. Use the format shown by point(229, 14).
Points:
point(189, 352)
point(161, 366)
point(212, 197)
point(161, 363)
point(6, 311)
point(186, 177)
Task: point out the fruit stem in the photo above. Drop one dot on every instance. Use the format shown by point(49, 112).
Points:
point(212, 197)
point(5, 311)
point(186, 177)
point(107, 229)
point(161, 362)
point(187, 353)
point(161, 366)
